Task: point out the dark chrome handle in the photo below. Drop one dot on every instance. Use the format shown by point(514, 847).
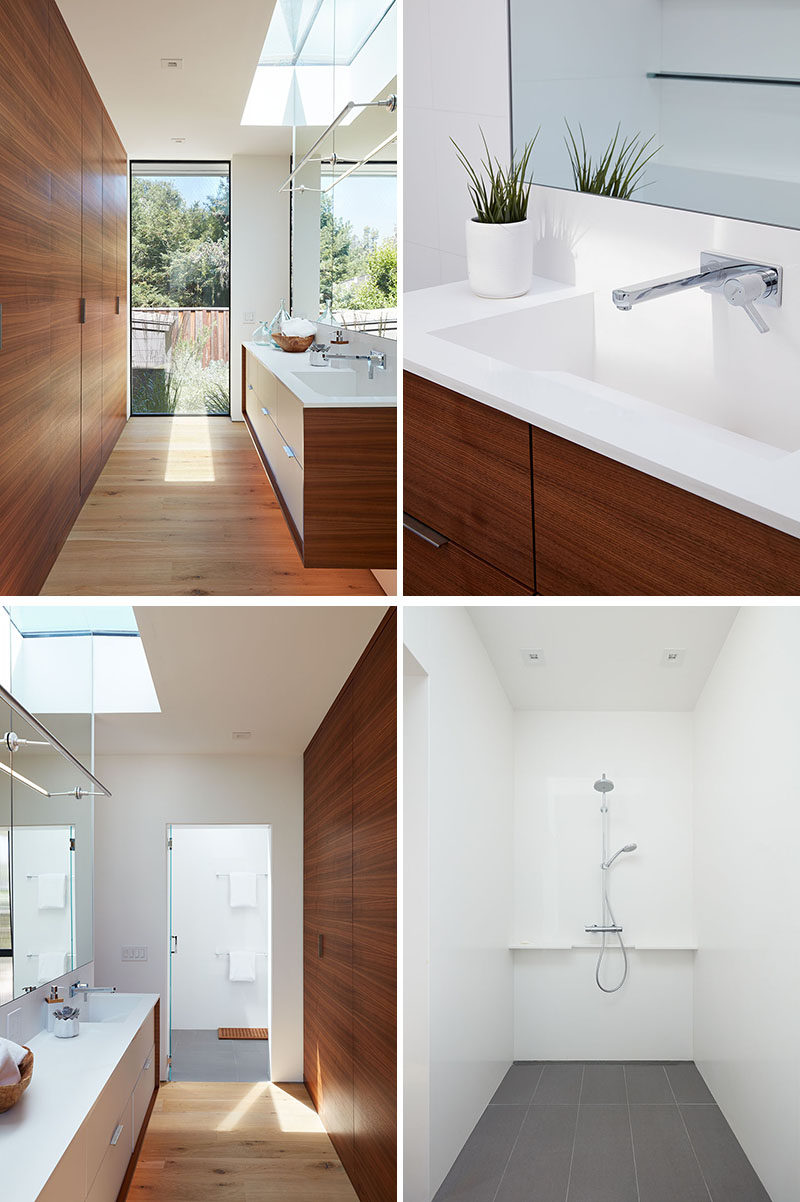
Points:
point(83, 311)
point(426, 533)
point(174, 947)
point(117, 304)
point(320, 945)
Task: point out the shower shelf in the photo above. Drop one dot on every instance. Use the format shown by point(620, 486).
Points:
point(631, 947)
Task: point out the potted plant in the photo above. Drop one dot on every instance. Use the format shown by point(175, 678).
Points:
point(499, 236)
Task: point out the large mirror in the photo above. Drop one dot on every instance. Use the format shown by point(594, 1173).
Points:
point(715, 86)
point(46, 806)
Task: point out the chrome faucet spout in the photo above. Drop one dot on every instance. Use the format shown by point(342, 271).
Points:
point(81, 987)
point(742, 283)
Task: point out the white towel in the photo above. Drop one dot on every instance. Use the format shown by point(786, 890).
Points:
point(241, 966)
point(51, 965)
point(243, 889)
point(52, 890)
point(11, 1056)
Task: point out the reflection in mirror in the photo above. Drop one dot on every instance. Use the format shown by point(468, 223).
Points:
point(717, 89)
point(6, 947)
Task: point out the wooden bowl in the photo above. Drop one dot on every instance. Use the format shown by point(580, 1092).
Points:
point(11, 1094)
point(294, 344)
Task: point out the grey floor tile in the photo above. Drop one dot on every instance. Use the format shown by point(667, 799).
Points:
point(729, 1175)
point(602, 1163)
point(666, 1165)
point(647, 1083)
point(687, 1083)
point(604, 1084)
point(518, 1085)
point(538, 1170)
point(476, 1173)
point(559, 1085)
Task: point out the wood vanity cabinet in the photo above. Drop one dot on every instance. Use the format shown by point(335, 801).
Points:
point(350, 920)
point(333, 470)
point(467, 479)
point(601, 528)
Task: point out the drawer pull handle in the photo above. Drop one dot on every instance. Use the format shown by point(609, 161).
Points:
point(250, 387)
point(117, 305)
point(289, 452)
point(426, 533)
point(83, 311)
point(320, 945)
point(116, 1135)
point(148, 1062)
point(265, 411)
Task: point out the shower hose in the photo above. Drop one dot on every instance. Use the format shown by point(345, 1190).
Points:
point(623, 978)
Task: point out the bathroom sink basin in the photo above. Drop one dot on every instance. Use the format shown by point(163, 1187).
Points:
point(653, 364)
point(345, 381)
point(105, 1007)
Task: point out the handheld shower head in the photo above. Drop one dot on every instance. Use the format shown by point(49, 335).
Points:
point(603, 785)
point(627, 847)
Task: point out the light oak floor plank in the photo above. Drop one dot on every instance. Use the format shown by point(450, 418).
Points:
point(183, 508)
point(259, 1142)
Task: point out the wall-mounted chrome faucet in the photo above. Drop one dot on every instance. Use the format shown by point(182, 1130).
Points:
point(321, 355)
point(742, 282)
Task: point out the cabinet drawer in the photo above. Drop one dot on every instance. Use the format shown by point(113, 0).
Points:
point(603, 528)
point(448, 570)
point(116, 1158)
point(143, 1093)
point(289, 419)
point(468, 475)
point(116, 1094)
point(69, 1178)
point(287, 471)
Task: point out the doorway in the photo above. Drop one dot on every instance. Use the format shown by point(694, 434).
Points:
point(180, 289)
point(219, 987)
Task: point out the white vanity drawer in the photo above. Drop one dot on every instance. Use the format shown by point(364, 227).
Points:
point(143, 1093)
point(285, 468)
point(116, 1158)
point(69, 1177)
point(289, 419)
point(116, 1094)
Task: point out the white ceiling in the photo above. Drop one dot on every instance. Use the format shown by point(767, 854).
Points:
point(603, 657)
point(123, 42)
point(273, 670)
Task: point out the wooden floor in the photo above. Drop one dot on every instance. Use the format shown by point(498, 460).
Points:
point(184, 508)
point(243, 1143)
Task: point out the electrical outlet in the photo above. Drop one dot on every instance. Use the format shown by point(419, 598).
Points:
point(249, 316)
point(14, 1025)
point(134, 953)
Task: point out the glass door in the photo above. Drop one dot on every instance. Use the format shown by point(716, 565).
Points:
point(180, 289)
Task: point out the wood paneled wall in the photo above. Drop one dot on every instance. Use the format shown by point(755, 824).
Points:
point(63, 217)
point(350, 920)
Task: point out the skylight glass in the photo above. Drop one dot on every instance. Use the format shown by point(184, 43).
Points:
point(70, 619)
point(321, 32)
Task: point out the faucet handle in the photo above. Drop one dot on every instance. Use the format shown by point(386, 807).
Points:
point(743, 290)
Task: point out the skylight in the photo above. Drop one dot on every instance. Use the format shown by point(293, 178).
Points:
point(321, 32)
point(72, 619)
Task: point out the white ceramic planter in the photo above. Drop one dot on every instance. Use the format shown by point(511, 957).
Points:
point(500, 258)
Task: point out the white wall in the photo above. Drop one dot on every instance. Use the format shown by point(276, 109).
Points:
point(560, 1014)
point(208, 927)
point(131, 870)
point(747, 884)
point(259, 252)
point(456, 80)
point(468, 874)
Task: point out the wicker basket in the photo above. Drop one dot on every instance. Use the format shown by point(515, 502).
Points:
point(11, 1094)
point(292, 344)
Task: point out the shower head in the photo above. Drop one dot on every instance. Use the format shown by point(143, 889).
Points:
point(603, 785)
point(627, 847)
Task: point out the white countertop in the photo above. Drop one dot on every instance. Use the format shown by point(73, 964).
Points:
point(742, 474)
point(68, 1077)
point(285, 365)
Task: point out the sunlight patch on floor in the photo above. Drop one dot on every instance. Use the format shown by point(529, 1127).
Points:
point(232, 1120)
point(190, 459)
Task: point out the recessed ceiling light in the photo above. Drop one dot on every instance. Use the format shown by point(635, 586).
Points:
point(533, 655)
point(172, 64)
point(179, 141)
point(673, 657)
point(241, 734)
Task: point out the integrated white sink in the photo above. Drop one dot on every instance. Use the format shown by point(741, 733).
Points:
point(579, 342)
point(105, 1007)
point(346, 381)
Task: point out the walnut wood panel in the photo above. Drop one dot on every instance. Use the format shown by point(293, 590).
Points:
point(467, 473)
point(350, 491)
point(328, 917)
point(92, 289)
point(450, 571)
point(605, 529)
point(351, 762)
point(375, 917)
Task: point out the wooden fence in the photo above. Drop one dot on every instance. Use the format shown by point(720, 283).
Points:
point(209, 327)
